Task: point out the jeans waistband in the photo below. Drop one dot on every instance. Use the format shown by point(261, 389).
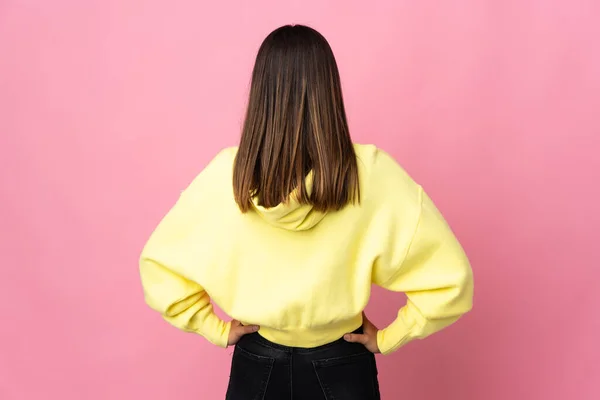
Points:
point(311, 336)
point(257, 338)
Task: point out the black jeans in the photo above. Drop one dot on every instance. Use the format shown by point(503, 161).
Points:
point(261, 370)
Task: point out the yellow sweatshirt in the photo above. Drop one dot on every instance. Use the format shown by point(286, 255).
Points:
point(303, 276)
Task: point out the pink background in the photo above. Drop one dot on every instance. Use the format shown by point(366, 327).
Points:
point(109, 108)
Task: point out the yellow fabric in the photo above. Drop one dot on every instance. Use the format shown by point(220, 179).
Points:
point(304, 276)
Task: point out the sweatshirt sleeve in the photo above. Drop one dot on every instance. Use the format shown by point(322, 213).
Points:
point(181, 301)
point(435, 275)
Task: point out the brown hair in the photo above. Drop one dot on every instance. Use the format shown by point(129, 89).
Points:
point(295, 124)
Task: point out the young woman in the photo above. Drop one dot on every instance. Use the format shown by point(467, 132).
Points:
point(287, 233)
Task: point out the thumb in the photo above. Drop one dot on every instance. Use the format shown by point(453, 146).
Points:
point(244, 330)
point(356, 338)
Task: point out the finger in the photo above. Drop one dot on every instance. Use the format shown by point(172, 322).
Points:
point(244, 330)
point(356, 338)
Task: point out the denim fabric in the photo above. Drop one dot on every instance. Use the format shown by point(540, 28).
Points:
point(261, 370)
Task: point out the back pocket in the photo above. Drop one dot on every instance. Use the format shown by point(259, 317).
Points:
point(348, 378)
point(249, 375)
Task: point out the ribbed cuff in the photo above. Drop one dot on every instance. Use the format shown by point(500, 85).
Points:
point(394, 336)
point(225, 336)
point(216, 331)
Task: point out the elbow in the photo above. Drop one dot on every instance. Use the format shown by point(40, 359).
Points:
point(467, 288)
point(460, 295)
point(462, 301)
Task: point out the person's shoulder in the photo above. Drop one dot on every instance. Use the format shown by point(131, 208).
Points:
point(379, 161)
point(365, 153)
point(227, 152)
point(383, 176)
point(218, 170)
point(225, 156)
point(222, 162)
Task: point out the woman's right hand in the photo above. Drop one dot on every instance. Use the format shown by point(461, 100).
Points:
point(368, 338)
point(238, 330)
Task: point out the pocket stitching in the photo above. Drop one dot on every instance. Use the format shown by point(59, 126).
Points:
point(269, 362)
point(332, 362)
point(325, 388)
point(335, 361)
point(255, 356)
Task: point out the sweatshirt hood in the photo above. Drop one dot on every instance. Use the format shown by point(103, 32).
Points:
point(291, 215)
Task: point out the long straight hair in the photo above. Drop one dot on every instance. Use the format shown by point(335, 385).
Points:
point(295, 125)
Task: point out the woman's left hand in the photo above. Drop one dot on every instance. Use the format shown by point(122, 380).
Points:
point(238, 330)
point(368, 338)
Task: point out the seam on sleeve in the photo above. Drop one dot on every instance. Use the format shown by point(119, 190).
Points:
point(397, 271)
